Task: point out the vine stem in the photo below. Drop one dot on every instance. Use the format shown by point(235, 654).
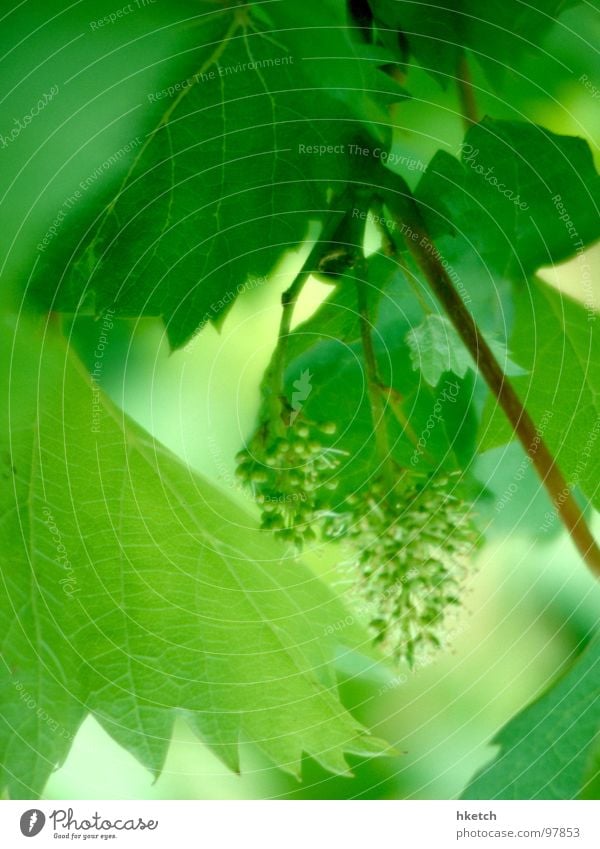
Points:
point(466, 93)
point(275, 375)
point(288, 303)
point(389, 248)
point(428, 259)
point(378, 411)
point(274, 378)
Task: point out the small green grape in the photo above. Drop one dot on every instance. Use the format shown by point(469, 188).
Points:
point(412, 549)
point(292, 477)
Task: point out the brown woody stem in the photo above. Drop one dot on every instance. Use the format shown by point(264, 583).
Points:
point(428, 258)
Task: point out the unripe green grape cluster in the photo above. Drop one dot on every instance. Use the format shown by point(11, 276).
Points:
point(292, 476)
point(411, 549)
point(410, 543)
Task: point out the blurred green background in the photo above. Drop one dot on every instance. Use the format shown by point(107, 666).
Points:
point(531, 605)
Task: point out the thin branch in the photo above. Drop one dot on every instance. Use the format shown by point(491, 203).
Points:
point(428, 259)
point(378, 407)
point(395, 402)
point(274, 376)
point(273, 381)
point(389, 249)
point(466, 93)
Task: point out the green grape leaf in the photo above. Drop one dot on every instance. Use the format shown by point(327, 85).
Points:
point(499, 33)
point(436, 348)
point(328, 346)
point(134, 590)
point(546, 749)
point(554, 339)
point(503, 34)
point(520, 197)
point(591, 784)
point(251, 146)
point(430, 30)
